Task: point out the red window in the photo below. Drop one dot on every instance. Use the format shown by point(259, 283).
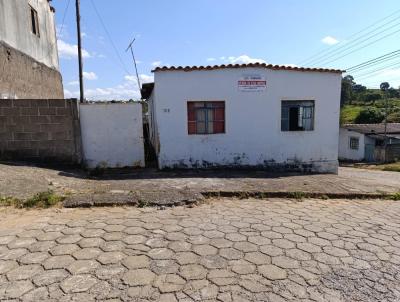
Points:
point(206, 117)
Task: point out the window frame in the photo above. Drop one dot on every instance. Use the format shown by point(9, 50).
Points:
point(34, 21)
point(296, 103)
point(217, 104)
point(352, 139)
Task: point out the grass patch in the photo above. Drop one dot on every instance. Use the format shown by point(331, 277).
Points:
point(395, 196)
point(392, 167)
point(45, 199)
point(297, 195)
point(349, 113)
point(11, 202)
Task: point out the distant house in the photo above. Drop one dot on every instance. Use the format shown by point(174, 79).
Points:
point(28, 50)
point(250, 115)
point(366, 142)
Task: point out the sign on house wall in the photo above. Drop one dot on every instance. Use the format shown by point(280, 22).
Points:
point(252, 83)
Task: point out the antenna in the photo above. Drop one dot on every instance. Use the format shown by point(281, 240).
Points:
point(134, 61)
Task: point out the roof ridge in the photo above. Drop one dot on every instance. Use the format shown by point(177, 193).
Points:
point(257, 64)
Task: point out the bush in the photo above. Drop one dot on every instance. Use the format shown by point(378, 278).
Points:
point(369, 116)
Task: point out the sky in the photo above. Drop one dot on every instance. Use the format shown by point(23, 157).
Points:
point(319, 33)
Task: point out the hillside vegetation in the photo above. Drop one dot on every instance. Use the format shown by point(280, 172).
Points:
point(360, 105)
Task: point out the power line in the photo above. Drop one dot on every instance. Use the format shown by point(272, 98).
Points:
point(60, 32)
point(329, 50)
point(375, 61)
point(362, 47)
point(372, 73)
point(109, 38)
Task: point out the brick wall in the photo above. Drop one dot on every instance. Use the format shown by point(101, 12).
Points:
point(40, 131)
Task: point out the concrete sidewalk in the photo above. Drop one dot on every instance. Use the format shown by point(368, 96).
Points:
point(148, 185)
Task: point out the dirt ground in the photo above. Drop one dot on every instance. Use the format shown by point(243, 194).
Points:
point(24, 181)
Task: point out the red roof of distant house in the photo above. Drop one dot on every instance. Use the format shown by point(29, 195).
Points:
point(262, 65)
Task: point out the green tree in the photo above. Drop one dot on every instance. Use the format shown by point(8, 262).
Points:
point(372, 97)
point(384, 86)
point(369, 116)
point(347, 90)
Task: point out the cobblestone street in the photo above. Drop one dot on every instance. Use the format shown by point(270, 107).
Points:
point(223, 250)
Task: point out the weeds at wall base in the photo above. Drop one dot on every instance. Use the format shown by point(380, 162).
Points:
point(45, 199)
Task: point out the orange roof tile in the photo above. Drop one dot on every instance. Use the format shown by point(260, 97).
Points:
point(263, 65)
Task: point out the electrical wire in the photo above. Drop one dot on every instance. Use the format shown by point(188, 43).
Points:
point(329, 50)
point(109, 38)
point(377, 60)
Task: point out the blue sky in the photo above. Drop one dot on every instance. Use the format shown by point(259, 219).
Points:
point(204, 32)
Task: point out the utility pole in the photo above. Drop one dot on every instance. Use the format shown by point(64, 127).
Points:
point(78, 24)
point(134, 61)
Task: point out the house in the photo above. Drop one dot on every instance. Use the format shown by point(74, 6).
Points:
point(366, 142)
point(249, 115)
point(28, 50)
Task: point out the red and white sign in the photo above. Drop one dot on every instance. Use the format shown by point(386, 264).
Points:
point(252, 83)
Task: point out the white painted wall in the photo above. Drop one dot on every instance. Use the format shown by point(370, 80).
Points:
point(345, 152)
point(253, 119)
point(112, 135)
point(15, 30)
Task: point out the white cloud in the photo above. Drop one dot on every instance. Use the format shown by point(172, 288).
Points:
point(243, 59)
point(211, 59)
point(329, 40)
point(128, 89)
point(90, 76)
point(144, 78)
point(69, 51)
point(73, 83)
point(156, 63)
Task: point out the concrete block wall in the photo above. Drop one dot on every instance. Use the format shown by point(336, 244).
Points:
point(40, 130)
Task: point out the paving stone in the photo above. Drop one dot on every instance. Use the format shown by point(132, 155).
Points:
point(186, 258)
point(24, 272)
point(12, 254)
point(272, 272)
point(257, 258)
point(90, 242)
point(86, 254)
point(69, 239)
point(78, 283)
point(169, 283)
point(133, 262)
point(193, 272)
point(14, 290)
point(34, 258)
point(41, 246)
point(160, 253)
point(242, 267)
point(138, 277)
point(58, 262)
point(37, 294)
point(134, 239)
point(64, 249)
point(21, 243)
point(83, 267)
point(49, 277)
point(204, 250)
point(6, 266)
point(245, 246)
point(231, 253)
point(110, 257)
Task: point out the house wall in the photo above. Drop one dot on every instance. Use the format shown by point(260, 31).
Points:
point(112, 135)
point(345, 152)
point(253, 120)
point(15, 30)
point(40, 131)
point(28, 63)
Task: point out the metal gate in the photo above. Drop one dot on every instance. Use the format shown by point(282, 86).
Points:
point(369, 152)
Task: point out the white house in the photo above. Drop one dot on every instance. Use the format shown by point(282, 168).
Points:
point(366, 142)
point(251, 115)
point(28, 50)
